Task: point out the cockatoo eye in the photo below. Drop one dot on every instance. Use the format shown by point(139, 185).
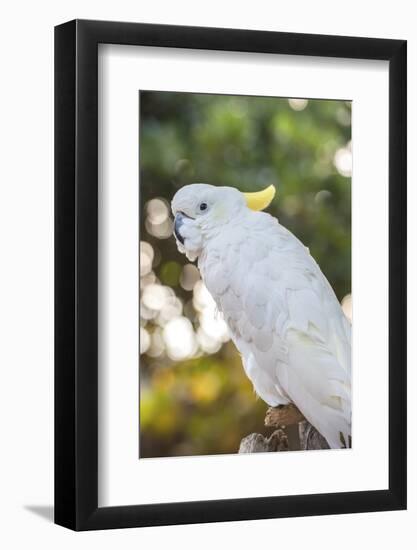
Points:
point(203, 206)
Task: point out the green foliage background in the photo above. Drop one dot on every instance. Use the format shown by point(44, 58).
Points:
point(205, 404)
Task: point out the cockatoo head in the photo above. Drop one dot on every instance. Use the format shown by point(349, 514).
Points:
point(202, 210)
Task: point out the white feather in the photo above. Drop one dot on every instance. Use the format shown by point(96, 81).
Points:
point(284, 319)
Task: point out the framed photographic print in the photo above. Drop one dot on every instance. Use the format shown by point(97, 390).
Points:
point(230, 338)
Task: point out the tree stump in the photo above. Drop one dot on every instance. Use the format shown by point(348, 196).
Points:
point(310, 438)
point(257, 443)
point(280, 417)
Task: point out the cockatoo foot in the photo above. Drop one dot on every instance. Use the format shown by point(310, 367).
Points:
point(283, 415)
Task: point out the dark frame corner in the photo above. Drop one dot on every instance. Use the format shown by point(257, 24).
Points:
point(76, 369)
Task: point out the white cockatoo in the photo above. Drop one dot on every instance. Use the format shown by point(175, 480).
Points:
point(282, 313)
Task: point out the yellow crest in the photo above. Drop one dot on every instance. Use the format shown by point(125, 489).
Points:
point(260, 199)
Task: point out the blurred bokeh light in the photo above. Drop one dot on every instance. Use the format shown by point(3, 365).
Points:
point(194, 396)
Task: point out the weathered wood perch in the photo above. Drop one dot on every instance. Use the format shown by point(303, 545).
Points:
point(280, 417)
point(257, 443)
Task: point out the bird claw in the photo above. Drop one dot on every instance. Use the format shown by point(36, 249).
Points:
point(283, 415)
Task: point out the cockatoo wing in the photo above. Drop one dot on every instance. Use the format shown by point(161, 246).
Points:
point(285, 320)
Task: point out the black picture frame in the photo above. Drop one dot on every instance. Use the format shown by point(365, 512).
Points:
point(76, 272)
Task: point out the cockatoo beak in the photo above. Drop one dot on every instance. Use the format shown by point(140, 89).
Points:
point(260, 199)
point(179, 220)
